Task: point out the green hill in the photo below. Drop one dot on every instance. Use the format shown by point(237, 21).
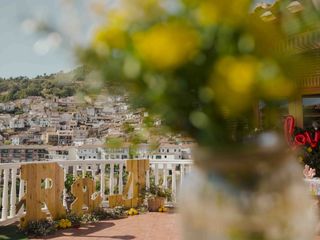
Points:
point(59, 84)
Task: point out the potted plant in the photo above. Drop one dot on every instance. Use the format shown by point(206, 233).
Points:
point(156, 196)
point(204, 67)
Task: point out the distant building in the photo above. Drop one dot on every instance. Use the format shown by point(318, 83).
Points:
point(56, 153)
point(60, 137)
point(22, 153)
point(88, 152)
point(121, 152)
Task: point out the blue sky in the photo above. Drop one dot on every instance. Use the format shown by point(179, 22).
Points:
point(30, 53)
point(27, 53)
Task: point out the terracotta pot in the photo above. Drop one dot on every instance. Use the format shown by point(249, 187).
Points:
point(255, 194)
point(155, 203)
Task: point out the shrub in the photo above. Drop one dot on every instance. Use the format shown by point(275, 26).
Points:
point(74, 219)
point(40, 228)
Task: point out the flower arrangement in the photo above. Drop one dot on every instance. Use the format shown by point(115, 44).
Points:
point(64, 223)
point(162, 209)
point(46, 226)
point(156, 196)
point(89, 218)
point(309, 155)
point(74, 219)
point(116, 213)
point(158, 191)
point(132, 212)
point(42, 227)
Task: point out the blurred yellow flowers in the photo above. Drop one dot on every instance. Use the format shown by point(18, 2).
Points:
point(64, 223)
point(207, 13)
point(110, 37)
point(239, 73)
point(233, 81)
point(132, 212)
point(167, 46)
point(162, 209)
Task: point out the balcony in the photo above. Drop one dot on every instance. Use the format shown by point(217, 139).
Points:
point(110, 173)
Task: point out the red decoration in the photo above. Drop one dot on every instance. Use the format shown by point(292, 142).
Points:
point(289, 128)
point(301, 138)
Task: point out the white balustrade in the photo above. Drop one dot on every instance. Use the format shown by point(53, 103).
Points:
point(111, 179)
point(120, 178)
point(10, 172)
point(84, 170)
point(173, 181)
point(75, 170)
point(156, 173)
point(165, 175)
point(13, 192)
point(65, 170)
point(21, 194)
point(102, 181)
point(4, 210)
point(181, 173)
point(148, 178)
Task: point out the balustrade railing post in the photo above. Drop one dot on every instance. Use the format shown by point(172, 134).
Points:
point(111, 179)
point(65, 169)
point(156, 174)
point(1, 192)
point(21, 193)
point(148, 178)
point(120, 178)
point(102, 181)
point(74, 170)
point(181, 173)
point(189, 168)
point(173, 182)
point(4, 212)
point(165, 183)
point(13, 192)
point(84, 170)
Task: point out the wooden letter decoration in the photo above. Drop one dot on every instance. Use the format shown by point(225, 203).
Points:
point(38, 194)
point(83, 190)
point(136, 181)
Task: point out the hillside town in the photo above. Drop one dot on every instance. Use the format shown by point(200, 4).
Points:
point(39, 129)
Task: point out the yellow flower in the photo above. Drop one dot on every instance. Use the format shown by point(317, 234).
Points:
point(278, 87)
point(233, 82)
point(272, 83)
point(162, 209)
point(207, 13)
point(64, 223)
point(167, 46)
point(309, 149)
point(240, 75)
point(300, 159)
point(132, 212)
point(110, 36)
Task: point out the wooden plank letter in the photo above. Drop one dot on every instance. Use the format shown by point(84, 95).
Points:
point(83, 190)
point(38, 193)
point(136, 181)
